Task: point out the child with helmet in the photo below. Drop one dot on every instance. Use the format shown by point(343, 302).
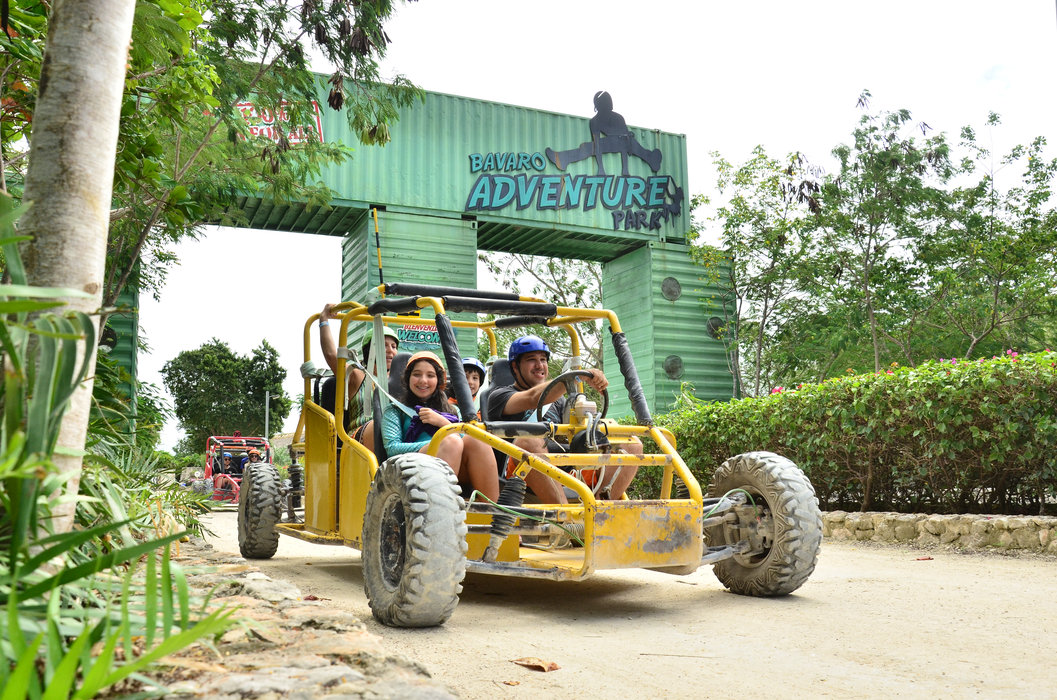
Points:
point(475, 374)
point(423, 385)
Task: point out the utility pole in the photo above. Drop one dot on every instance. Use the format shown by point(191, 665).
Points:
point(267, 405)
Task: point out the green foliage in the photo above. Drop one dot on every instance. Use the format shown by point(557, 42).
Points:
point(217, 392)
point(281, 459)
point(140, 488)
point(572, 283)
point(912, 249)
point(166, 463)
point(118, 420)
point(947, 436)
point(185, 151)
point(995, 253)
point(765, 220)
point(104, 584)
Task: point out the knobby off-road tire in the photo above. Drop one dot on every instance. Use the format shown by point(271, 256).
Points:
point(259, 511)
point(414, 542)
point(786, 501)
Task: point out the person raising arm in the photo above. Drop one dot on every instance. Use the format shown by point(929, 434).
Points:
point(357, 391)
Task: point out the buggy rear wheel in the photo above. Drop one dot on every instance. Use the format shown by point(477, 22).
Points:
point(259, 512)
point(782, 534)
point(414, 542)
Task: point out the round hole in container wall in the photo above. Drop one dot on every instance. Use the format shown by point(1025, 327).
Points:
point(715, 327)
point(671, 289)
point(673, 366)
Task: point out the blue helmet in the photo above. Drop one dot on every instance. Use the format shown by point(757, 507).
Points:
point(227, 454)
point(527, 343)
point(468, 362)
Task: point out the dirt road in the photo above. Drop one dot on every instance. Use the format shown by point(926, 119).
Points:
point(871, 622)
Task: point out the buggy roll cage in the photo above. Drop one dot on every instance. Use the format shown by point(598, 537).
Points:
point(400, 304)
point(515, 311)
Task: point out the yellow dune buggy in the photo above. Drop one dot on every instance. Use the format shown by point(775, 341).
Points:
point(759, 526)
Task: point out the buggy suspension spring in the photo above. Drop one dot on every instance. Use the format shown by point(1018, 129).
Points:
point(512, 496)
point(296, 484)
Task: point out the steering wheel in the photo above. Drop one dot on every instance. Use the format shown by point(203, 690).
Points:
point(567, 378)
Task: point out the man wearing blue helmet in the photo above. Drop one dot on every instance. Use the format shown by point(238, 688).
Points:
point(528, 356)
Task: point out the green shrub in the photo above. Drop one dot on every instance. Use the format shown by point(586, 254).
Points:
point(89, 607)
point(948, 436)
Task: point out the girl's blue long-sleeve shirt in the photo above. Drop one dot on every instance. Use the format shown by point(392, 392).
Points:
point(394, 426)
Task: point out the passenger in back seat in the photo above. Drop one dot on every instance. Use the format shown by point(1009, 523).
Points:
point(358, 394)
point(474, 370)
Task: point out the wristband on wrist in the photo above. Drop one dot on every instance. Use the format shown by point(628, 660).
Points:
point(324, 322)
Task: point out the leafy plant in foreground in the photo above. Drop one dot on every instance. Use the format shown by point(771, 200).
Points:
point(87, 608)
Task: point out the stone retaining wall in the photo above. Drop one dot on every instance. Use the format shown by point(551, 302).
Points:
point(1010, 532)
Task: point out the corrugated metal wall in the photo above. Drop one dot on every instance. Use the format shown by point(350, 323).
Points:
point(422, 181)
point(664, 302)
point(125, 326)
point(415, 248)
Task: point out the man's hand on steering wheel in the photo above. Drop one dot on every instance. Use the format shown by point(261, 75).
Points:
point(597, 380)
point(594, 377)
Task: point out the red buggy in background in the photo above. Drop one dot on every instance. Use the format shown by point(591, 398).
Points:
point(226, 477)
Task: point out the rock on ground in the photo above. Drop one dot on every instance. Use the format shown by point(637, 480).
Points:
point(282, 646)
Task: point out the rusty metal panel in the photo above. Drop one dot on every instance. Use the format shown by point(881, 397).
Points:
point(645, 534)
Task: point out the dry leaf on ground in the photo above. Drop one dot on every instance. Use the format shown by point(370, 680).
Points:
point(536, 664)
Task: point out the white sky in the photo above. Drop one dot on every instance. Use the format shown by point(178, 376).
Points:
point(729, 75)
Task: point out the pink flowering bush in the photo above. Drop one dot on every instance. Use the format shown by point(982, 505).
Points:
point(947, 436)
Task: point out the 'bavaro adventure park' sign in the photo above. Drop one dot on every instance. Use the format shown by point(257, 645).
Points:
point(520, 180)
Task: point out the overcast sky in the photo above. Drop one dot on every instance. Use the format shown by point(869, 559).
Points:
point(727, 75)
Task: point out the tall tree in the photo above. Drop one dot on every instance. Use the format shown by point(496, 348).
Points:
point(69, 180)
point(185, 151)
point(216, 392)
point(762, 222)
point(996, 252)
point(873, 212)
point(575, 283)
point(198, 74)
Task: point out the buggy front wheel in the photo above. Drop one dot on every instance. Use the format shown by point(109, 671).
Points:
point(778, 531)
point(414, 542)
point(259, 512)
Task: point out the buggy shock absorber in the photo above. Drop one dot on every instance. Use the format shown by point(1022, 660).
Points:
point(296, 485)
point(512, 496)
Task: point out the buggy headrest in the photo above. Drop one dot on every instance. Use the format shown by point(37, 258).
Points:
point(396, 372)
point(501, 374)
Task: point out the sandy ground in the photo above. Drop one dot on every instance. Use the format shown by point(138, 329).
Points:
point(871, 622)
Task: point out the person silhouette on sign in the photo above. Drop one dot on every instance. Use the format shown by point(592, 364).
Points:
point(609, 134)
